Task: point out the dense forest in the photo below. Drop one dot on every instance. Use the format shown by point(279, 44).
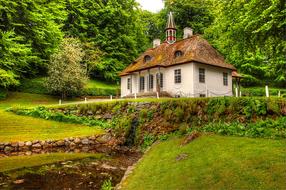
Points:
point(251, 34)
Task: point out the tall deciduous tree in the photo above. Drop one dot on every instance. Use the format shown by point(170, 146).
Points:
point(66, 74)
point(38, 23)
point(252, 36)
point(113, 26)
point(14, 58)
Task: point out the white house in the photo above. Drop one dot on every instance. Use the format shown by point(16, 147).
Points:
point(190, 67)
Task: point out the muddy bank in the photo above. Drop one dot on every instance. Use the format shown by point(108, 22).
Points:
point(85, 174)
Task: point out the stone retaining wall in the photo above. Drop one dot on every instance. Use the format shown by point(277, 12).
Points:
point(70, 143)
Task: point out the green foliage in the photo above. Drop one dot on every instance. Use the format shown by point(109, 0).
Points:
point(260, 91)
point(107, 185)
point(195, 14)
point(183, 128)
point(15, 58)
point(33, 86)
point(253, 39)
point(32, 32)
point(66, 75)
point(268, 128)
point(99, 92)
point(168, 114)
point(179, 113)
point(44, 113)
point(148, 140)
point(112, 27)
point(3, 93)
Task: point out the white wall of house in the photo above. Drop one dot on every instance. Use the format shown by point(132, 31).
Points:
point(189, 86)
point(185, 88)
point(213, 85)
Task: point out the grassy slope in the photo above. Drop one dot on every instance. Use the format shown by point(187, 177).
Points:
point(100, 84)
point(213, 162)
point(17, 162)
point(20, 128)
point(36, 85)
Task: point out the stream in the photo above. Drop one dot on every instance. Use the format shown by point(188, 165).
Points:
point(83, 174)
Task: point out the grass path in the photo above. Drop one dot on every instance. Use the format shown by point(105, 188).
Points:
point(21, 128)
point(212, 162)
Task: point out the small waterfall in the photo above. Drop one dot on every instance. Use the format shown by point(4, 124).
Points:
point(130, 138)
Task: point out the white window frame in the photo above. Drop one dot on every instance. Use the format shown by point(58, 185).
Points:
point(225, 79)
point(128, 83)
point(202, 75)
point(141, 83)
point(178, 76)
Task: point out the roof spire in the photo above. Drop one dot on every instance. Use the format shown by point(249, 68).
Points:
point(171, 30)
point(171, 22)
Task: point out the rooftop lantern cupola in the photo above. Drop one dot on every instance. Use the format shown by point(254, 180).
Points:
point(171, 29)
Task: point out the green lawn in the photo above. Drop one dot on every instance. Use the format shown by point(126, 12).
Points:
point(18, 162)
point(21, 128)
point(36, 85)
point(212, 162)
point(101, 84)
point(260, 91)
point(26, 99)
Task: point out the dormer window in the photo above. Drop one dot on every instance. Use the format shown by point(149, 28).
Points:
point(178, 54)
point(147, 58)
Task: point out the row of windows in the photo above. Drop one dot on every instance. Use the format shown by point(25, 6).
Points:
point(151, 82)
point(202, 77)
point(177, 79)
point(148, 58)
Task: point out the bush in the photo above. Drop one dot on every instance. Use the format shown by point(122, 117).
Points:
point(260, 91)
point(33, 86)
point(3, 93)
point(99, 92)
point(268, 128)
point(44, 113)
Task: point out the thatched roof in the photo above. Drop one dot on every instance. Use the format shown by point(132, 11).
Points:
point(194, 49)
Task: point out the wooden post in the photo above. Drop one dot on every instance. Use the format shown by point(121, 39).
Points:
point(131, 78)
point(239, 87)
point(158, 81)
point(148, 84)
point(267, 91)
point(85, 100)
point(60, 102)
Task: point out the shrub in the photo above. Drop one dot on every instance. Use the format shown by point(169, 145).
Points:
point(148, 140)
point(44, 113)
point(3, 94)
point(168, 114)
point(179, 113)
point(183, 128)
point(107, 185)
point(268, 128)
point(99, 92)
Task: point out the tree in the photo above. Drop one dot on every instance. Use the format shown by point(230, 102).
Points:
point(251, 34)
point(38, 23)
point(66, 75)
point(14, 58)
point(195, 14)
point(112, 26)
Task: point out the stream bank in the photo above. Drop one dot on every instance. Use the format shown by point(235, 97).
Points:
point(83, 174)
